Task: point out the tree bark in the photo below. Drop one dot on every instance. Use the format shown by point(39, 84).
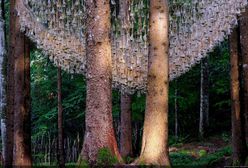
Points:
point(244, 54)
point(61, 152)
point(204, 104)
point(3, 83)
point(155, 135)
point(22, 101)
point(98, 118)
point(126, 126)
point(238, 139)
point(10, 92)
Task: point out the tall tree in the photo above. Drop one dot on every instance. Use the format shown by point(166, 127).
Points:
point(126, 99)
point(10, 90)
point(155, 135)
point(22, 105)
point(3, 82)
point(244, 57)
point(61, 152)
point(126, 126)
point(204, 97)
point(238, 138)
point(243, 23)
point(99, 131)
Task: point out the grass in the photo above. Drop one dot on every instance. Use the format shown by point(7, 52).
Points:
point(187, 158)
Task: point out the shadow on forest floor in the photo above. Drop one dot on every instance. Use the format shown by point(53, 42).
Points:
point(212, 152)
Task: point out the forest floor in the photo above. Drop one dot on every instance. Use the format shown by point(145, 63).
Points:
point(211, 152)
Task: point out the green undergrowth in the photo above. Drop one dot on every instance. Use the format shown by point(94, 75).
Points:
point(180, 158)
point(105, 157)
point(188, 158)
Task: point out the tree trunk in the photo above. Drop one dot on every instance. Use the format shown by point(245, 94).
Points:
point(126, 100)
point(61, 152)
point(22, 104)
point(238, 139)
point(98, 118)
point(244, 53)
point(3, 82)
point(10, 92)
point(176, 112)
point(155, 135)
point(204, 104)
point(244, 58)
point(126, 126)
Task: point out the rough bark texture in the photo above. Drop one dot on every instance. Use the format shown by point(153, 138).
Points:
point(126, 126)
point(125, 21)
point(61, 152)
point(155, 135)
point(10, 90)
point(204, 104)
point(238, 141)
point(3, 81)
point(98, 118)
point(22, 104)
point(244, 53)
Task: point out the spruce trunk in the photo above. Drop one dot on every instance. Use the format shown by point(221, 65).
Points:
point(204, 104)
point(3, 83)
point(10, 92)
point(99, 131)
point(244, 53)
point(22, 101)
point(238, 139)
point(61, 152)
point(126, 126)
point(126, 99)
point(155, 135)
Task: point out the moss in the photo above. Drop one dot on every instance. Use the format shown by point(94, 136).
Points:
point(106, 158)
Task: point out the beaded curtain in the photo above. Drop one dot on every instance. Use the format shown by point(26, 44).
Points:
point(196, 26)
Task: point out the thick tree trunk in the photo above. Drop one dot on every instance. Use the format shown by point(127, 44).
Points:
point(126, 126)
point(244, 53)
point(61, 152)
point(22, 104)
point(204, 104)
point(155, 135)
point(238, 139)
point(3, 82)
point(99, 123)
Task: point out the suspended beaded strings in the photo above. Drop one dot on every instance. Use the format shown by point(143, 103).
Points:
point(196, 26)
point(51, 28)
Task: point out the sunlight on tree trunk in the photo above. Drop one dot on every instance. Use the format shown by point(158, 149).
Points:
point(126, 126)
point(155, 135)
point(99, 131)
point(244, 52)
point(61, 152)
point(238, 139)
